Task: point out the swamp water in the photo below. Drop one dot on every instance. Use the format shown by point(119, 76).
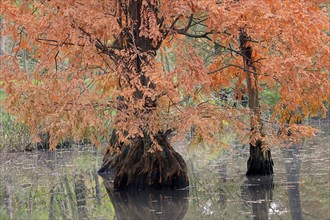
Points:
point(64, 185)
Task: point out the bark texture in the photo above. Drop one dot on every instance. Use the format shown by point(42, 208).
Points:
point(260, 161)
point(136, 165)
point(135, 168)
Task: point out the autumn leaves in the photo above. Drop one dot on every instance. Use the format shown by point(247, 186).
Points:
point(94, 58)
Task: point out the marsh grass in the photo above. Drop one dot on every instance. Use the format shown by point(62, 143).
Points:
point(43, 185)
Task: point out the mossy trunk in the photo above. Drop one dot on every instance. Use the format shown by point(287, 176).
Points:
point(260, 161)
point(136, 168)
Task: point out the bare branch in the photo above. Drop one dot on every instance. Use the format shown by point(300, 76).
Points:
point(184, 32)
point(189, 22)
point(56, 60)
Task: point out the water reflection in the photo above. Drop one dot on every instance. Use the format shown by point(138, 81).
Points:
point(258, 192)
point(223, 178)
point(52, 185)
point(80, 192)
point(292, 167)
point(97, 187)
point(64, 184)
point(153, 204)
point(9, 200)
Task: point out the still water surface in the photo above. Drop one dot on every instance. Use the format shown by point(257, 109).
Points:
point(64, 185)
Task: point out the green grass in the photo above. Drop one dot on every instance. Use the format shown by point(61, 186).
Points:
point(2, 95)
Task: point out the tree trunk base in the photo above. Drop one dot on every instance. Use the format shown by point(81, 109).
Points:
point(134, 168)
point(260, 162)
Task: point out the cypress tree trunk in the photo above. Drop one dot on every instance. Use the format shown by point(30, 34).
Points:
point(136, 165)
point(260, 161)
point(134, 168)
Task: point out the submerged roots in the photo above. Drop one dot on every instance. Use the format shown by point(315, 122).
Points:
point(135, 167)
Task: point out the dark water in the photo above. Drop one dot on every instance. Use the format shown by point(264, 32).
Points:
point(64, 185)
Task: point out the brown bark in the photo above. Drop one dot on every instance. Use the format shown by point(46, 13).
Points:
point(260, 161)
point(133, 166)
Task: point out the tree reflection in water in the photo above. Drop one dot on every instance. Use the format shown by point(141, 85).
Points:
point(149, 204)
point(63, 184)
point(80, 192)
point(292, 167)
point(258, 191)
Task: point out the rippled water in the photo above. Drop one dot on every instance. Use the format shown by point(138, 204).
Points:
point(64, 185)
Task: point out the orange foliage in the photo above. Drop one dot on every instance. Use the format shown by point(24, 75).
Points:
point(86, 78)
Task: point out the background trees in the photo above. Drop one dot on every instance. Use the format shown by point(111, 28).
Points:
point(146, 68)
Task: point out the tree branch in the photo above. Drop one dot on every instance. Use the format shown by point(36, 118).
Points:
point(230, 65)
point(184, 32)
